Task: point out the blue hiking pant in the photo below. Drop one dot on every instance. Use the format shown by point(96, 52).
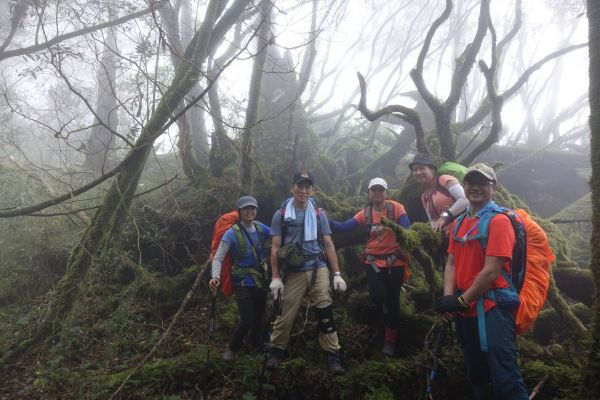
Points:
point(493, 374)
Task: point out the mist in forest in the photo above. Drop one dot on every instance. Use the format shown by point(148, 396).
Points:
point(128, 127)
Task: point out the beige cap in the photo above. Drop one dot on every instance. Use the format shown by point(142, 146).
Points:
point(482, 169)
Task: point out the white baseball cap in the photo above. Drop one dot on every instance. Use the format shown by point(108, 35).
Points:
point(378, 182)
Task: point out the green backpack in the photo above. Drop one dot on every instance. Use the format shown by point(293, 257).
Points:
point(451, 168)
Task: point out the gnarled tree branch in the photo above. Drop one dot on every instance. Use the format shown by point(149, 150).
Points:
point(407, 114)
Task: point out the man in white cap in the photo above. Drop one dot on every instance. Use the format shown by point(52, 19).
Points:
point(386, 263)
point(485, 330)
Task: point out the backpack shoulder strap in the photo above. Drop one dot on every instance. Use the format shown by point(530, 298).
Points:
point(319, 230)
point(284, 224)
point(368, 214)
point(389, 211)
point(459, 221)
point(441, 188)
point(259, 233)
point(368, 210)
point(241, 240)
point(482, 227)
point(259, 229)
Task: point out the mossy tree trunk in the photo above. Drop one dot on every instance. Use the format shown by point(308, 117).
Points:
point(169, 17)
point(116, 205)
point(564, 312)
point(591, 374)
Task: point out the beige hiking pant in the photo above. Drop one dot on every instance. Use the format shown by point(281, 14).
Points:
point(297, 285)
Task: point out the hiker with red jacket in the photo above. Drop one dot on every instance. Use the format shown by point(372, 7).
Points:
point(386, 263)
point(443, 198)
point(245, 242)
point(473, 279)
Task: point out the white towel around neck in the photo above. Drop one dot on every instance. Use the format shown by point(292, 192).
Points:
point(310, 219)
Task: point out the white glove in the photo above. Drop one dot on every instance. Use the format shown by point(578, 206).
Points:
point(339, 284)
point(276, 287)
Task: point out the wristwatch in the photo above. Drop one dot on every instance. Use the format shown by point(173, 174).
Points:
point(446, 216)
point(337, 273)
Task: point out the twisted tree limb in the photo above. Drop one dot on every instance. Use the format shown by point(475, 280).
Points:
point(407, 114)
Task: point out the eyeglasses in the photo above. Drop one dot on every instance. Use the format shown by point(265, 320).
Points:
point(479, 183)
point(377, 189)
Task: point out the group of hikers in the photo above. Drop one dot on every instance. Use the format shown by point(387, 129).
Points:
point(303, 256)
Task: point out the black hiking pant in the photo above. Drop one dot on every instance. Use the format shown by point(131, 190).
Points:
point(384, 289)
point(251, 306)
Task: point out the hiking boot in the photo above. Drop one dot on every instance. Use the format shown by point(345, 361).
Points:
point(275, 357)
point(388, 349)
point(257, 353)
point(272, 362)
point(333, 362)
point(229, 355)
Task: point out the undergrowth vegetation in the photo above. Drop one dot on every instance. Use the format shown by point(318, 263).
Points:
point(130, 296)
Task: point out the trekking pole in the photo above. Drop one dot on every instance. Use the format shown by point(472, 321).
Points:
point(211, 323)
point(538, 387)
point(440, 331)
point(277, 306)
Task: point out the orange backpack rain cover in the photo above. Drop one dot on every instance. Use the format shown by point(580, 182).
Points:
point(537, 274)
point(223, 223)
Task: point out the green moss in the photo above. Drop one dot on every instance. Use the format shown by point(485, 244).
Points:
point(228, 315)
point(561, 383)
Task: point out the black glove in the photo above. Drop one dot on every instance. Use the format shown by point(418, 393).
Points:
point(449, 303)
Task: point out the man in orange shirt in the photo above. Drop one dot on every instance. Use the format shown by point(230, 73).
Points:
point(472, 273)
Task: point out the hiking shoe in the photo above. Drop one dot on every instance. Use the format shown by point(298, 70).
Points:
point(275, 357)
point(388, 349)
point(229, 356)
point(257, 353)
point(272, 362)
point(333, 362)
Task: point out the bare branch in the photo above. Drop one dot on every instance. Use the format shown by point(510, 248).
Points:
point(310, 54)
point(513, 31)
point(60, 38)
point(417, 73)
point(83, 210)
point(494, 98)
point(407, 114)
point(464, 64)
point(486, 107)
point(16, 211)
point(19, 13)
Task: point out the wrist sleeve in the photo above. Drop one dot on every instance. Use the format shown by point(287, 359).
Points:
point(403, 221)
point(217, 262)
point(346, 226)
point(461, 202)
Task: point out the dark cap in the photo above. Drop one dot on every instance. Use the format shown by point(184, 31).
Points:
point(246, 201)
point(423, 159)
point(303, 176)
